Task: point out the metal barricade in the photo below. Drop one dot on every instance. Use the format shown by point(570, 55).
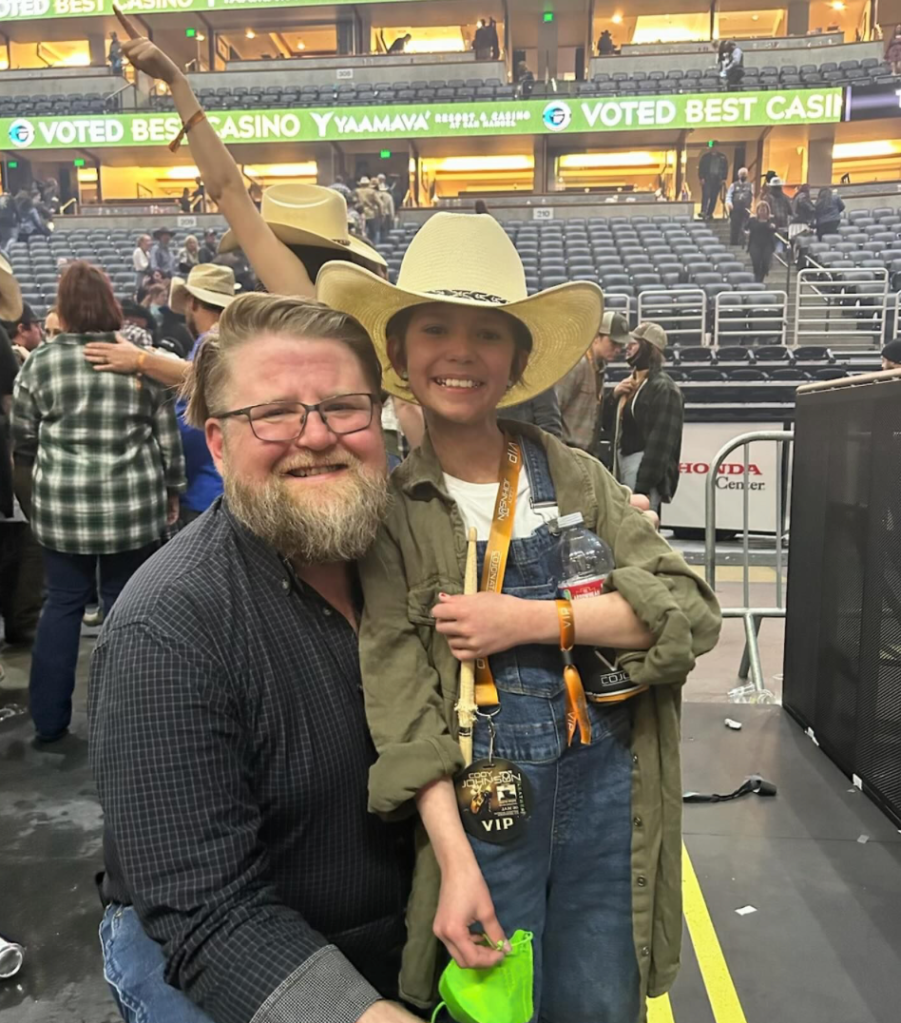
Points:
point(756, 314)
point(832, 303)
point(686, 323)
point(755, 690)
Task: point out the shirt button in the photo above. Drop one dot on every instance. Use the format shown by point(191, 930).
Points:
point(637, 821)
point(641, 881)
point(645, 951)
point(286, 585)
point(327, 611)
point(634, 758)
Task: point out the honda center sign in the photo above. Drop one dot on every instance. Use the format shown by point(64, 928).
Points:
point(435, 120)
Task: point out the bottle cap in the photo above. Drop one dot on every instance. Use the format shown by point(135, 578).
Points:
point(573, 519)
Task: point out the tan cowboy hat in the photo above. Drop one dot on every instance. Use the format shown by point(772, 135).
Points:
point(209, 282)
point(10, 293)
point(470, 261)
point(309, 215)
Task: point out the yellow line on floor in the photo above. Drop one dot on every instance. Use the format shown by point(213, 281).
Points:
point(660, 1010)
point(714, 970)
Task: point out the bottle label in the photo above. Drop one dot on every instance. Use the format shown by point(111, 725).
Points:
point(576, 589)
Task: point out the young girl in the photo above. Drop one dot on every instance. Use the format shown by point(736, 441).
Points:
point(761, 241)
point(591, 863)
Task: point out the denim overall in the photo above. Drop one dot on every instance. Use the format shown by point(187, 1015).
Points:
point(568, 877)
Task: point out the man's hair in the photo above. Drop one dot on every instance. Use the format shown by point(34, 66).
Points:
point(251, 316)
point(85, 300)
point(26, 320)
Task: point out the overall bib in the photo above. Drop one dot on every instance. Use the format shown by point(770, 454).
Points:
point(567, 877)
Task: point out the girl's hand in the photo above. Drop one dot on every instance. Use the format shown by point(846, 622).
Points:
point(465, 900)
point(480, 624)
point(143, 54)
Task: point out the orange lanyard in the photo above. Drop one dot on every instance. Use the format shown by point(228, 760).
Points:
point(493, 572)
point(496, 554)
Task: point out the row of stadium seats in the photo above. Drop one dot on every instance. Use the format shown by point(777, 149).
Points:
point(745, 375)
point(50, 106)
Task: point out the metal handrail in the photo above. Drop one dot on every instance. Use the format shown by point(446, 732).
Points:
point(686, 292)
point(66, 205)
point(779, 321)
point(827, 323)
point(752, 616)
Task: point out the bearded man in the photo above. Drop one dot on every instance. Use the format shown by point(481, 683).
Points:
point(245, 880)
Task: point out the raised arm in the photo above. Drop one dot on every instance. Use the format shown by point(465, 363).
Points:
point(273, 262)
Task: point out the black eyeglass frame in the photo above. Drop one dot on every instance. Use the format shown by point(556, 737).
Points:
point(373, 401)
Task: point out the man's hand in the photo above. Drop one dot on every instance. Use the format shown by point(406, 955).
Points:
point(172, 509)
point(144, 55)
point(465, 900)
point(387, 1012)
point(119, 357)
point(480, 624)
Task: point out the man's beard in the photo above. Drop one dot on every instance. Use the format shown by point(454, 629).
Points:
point(328, 525)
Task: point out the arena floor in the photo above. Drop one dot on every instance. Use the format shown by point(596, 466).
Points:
point(823, 945)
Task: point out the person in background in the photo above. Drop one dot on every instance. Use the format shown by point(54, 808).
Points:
point(400, 44)
point(51, 324)
point(107, 468)
point(30, 220)
point(891, 355)
point(606, 46)
point(140, 259)
point(804, 217)
point(403, 427)
point(739, 202)
point(198, 196)
point(761, 241)
point(712, 170)
point(648, 420)
point(494, 44)
point(367, 197)
point(188, 254)
point(829, 209)
point(185, 200)
point(481, 208)
point(24, 332)
point(780, 210)
point(480, 43)
point(386, 206)
point(525, 79)
point(731, 63)
point(162, 258)
point(581, 392)
point(114, 54)
point(542, 411)
point(210, 248)
point(9, 222)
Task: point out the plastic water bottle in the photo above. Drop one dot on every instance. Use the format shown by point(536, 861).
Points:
point(584, 559)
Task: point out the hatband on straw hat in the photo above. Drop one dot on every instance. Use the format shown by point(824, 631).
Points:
point(208, 282)
point(309, 215)
point(470, 261)
point(10, 293)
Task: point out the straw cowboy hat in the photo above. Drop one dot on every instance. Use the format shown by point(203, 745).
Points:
point(209, 282)
point(468, 260)
point(309, 215)
point(10, 293)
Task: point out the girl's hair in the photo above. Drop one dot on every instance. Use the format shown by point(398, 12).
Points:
point(85, 300)
point(824, 197)
point(763, 211)
point(522, 337)
point(250, 317)
point(191, 238)
point(314, 257)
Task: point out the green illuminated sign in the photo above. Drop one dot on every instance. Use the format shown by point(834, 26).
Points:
point(437, 120)
point(191, 33)
point(13, 164)
point(28, 10)
point(78, 163)
point(385, 154)
point(548, 15)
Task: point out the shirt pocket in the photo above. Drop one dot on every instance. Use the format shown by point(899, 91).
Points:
point(422, 597)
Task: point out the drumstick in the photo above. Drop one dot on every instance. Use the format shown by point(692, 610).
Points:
point(466, 705)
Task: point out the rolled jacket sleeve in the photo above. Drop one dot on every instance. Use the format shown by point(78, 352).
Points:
point(174, 774)
point(405, 705)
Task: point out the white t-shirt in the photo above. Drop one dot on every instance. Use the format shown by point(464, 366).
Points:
point(140, 259)
point(476, 503)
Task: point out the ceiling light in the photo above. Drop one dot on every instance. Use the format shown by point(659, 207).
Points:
point(586, 161)
point(4, 64)
point(250, 33)
point(181, 173)
point(861, 150)
point(463, 164)
point(617, 19)
point(282, 170)
point(201, 37)
point(837, 5)
point(301, 46)
point(755, 17)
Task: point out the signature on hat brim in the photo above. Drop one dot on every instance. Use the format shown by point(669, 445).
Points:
point(562, 321)
point(10, 293)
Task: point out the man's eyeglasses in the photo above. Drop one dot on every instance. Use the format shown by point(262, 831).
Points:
point(285, 420)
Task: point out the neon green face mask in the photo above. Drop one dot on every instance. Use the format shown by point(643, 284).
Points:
point(502, 994)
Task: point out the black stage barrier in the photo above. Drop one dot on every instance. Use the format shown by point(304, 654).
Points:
point(843, 629)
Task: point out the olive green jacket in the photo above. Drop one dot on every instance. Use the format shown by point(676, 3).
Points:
point(410, 680)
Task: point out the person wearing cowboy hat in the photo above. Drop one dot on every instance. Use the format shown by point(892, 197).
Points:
point(648, 420)
point(297, 229)
point(162, 259)
point(208, 290)
point(460, 335)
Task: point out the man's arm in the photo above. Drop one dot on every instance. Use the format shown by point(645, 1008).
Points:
point(122, 356)
point(169, 753)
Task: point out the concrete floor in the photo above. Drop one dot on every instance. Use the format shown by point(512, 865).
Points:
point(50, 848)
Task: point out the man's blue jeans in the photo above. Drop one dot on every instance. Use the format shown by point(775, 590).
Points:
point(70, 587)
point(133, 967)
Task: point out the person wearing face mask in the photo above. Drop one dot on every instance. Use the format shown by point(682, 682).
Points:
point(648, 437)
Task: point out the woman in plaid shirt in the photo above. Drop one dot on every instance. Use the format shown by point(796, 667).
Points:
point(107, 470)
